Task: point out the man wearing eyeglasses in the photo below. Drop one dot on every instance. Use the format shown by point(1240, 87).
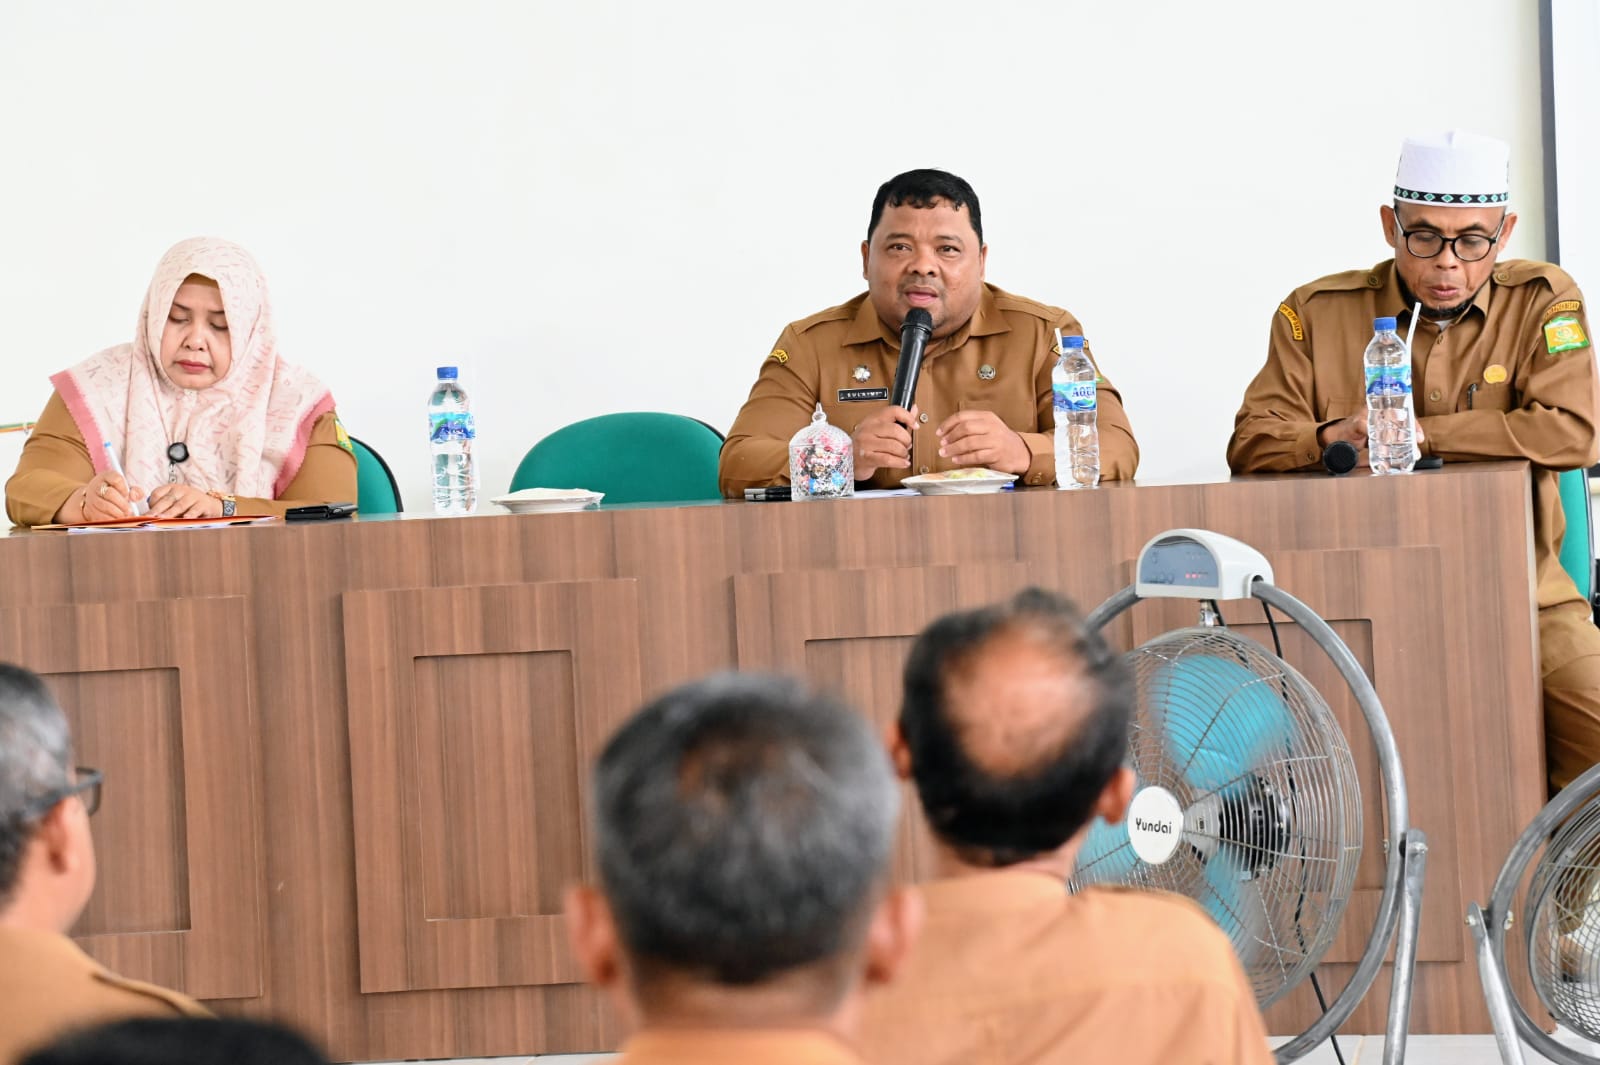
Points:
point(1502, 367)
point(47, 871)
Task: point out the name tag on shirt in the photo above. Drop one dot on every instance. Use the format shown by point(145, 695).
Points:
point(862, 395)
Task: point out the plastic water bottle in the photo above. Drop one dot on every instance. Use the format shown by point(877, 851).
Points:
point(1072, 387)
point(450, 435)
point(1391, 420)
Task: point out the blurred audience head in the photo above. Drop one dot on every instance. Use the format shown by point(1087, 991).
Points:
point(180, 1041)
point(46, 853)
point(1014, 727)
point(744, 827)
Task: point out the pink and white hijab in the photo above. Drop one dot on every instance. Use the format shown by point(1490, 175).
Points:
point(246, 435)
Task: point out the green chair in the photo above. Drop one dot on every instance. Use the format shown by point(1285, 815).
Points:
point(377, 492)
point(1577, 545)
point(637, 457)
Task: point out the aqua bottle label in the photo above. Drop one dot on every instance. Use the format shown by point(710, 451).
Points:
point(1073, 397)
point(445, 427)
point(1388, 380)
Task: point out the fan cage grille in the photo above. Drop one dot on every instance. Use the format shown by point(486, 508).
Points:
point(1272, 815)
point(1564, 923)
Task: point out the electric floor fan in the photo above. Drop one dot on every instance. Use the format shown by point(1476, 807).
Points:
point(1247, 799)
point(1558, 929)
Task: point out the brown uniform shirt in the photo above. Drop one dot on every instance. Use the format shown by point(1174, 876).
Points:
point(1000, 361)
point(726, 1046)
point(1011, 969)
point(1489, 386)
point(48, 986)
point(55, 463)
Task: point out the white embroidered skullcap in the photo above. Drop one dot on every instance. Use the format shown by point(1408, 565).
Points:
point(1454, 169)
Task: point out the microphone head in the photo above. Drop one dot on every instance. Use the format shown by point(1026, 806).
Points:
point(1340, 457)
point(919, 317)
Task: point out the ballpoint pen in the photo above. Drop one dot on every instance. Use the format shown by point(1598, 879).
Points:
point(139, 508)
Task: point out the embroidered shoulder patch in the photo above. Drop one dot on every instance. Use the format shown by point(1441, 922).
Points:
point(780, 356)
point(1565, 306)
point(1294, 321)
point(1564, 333)
point(341, 436)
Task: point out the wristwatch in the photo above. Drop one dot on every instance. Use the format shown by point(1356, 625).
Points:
point(230, 505)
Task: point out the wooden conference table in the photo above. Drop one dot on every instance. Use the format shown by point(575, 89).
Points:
point(346, 763)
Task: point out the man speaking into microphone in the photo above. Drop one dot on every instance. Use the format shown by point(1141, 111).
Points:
point(982, 397)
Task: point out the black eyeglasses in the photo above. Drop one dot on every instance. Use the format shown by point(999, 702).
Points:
point(87, 785)
point(1468, 247)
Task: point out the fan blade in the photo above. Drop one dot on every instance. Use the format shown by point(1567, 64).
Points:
point(1107, 856)
point(1219, 718)
point(1235, 903)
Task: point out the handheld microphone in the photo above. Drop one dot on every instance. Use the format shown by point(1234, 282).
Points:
point(913, 341)
point(1339, 457)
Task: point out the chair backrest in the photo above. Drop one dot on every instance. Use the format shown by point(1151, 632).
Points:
point(377, 492)
point(1577, 544)
point(635, 457)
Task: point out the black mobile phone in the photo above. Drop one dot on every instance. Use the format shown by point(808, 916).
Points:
point(320, 512)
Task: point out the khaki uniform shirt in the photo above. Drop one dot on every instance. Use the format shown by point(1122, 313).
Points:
point(55, 463)
point(1011, 969)
point(48, 986)
point(1493, 385)
point(1000, 361)
point(727, 1046)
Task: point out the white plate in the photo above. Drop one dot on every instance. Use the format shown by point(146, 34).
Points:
point(548, 500)
point(973, 482)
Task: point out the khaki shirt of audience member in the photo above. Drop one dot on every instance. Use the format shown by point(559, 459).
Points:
point(1510, 375)
point(48, 986)
point(1010, 968)
point(714, 1046)
point(984, 396)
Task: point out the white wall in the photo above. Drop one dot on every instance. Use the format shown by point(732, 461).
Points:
point(1575, 41)
point(610, 205)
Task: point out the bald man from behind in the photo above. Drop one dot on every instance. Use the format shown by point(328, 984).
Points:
point(1014, 728)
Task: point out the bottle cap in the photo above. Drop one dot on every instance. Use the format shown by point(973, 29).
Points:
point(1383, 325)
point(448, 373)
point(1071, 343)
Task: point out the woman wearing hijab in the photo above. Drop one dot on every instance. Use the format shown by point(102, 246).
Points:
point(204, 416)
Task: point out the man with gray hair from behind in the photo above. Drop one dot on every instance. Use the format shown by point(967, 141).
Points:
point(744, 826)
point(47, 871)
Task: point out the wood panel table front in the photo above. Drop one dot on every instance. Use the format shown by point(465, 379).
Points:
point(347, 763)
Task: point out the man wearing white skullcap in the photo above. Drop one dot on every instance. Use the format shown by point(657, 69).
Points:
point(1502, 368)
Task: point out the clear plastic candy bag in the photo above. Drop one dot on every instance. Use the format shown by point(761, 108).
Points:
point(822, 462)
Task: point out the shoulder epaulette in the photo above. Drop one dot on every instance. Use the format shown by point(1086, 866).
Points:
point(1006, 302)
point(843, 312)
point(1345, 281)
point(1525, 271)
point(179, 1003)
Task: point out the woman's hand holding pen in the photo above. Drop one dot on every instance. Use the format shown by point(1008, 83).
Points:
point(107, 497)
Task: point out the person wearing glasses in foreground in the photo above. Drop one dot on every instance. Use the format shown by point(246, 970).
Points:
point(48, 985)
point(1502, 367)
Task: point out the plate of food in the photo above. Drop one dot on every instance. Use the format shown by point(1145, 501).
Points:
point(548, 500)
point(960, 482)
